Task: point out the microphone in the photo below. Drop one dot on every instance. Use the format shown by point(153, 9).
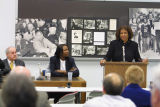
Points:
point(123, 51)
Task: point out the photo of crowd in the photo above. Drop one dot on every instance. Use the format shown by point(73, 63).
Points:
point(145, 23)
point(76, 50)
point(88, 37)
point(76, 23)
point(88, 50)
point(111, 36)
point(102, 24)
point(39, 37)
point(102, 50)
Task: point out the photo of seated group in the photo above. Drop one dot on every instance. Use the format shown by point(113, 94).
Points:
point(91, 36)
point(39, 37)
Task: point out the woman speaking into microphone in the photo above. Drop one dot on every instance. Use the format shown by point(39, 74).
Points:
point(123, 48)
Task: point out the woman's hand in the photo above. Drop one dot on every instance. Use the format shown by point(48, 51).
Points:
point(102, 62)
point(61, 71)
point(144, 60)
point(73, 69)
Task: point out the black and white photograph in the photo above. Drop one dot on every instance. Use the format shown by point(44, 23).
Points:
point(39, 37)
point(76, 36)
point(101, 50)
point(76, 23)
point(111, 35)
point(99, 38)
point(76, 50)
point(101, 24)
point(88, 37)
point(88, 50)
point(89, 24)
point(145, 23)
point(112, 24)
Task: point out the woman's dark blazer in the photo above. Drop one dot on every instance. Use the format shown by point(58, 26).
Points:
point(115, 52)
point(55, 65)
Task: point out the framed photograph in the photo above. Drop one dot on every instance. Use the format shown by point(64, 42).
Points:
point(101, 50)
point(99, 38)
point(101, 24)
point(87, 37)
point(76, 36)
point(112, 24)
point(76, 23)
point(39, 37)
point(89, 24)
point(145, 23)
point(76, 50)
point(88, 50)
point(111, 35)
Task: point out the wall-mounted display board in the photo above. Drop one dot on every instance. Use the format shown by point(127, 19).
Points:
point(90, 37)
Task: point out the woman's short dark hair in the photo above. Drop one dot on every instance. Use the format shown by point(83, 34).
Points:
point(128, 29)
point(59, 50)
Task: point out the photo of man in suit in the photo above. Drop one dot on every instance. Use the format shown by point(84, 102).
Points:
point(11, 61)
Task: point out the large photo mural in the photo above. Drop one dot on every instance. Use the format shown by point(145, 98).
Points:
point(145, 23)
point(39, 37)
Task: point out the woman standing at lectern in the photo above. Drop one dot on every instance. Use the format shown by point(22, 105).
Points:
point(123, 48)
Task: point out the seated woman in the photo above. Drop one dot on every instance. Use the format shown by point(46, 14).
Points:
point(61, 63)
point(134, 76)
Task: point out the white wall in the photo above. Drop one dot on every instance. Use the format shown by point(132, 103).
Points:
point(90, 70)
point(8, 12)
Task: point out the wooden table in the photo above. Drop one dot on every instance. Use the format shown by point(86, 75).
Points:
point(62, 82)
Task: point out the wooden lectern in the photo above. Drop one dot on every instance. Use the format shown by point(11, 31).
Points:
point(121, 67)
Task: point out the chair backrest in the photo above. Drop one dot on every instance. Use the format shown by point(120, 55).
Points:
point(70, 101)
point(67, 99)
point(94, 94)
point(1, 101)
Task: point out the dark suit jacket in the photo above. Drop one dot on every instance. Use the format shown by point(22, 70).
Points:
point(1, 64)
point(115, 52)
point(138, 95)
point(7, 69)
point(55, 65)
